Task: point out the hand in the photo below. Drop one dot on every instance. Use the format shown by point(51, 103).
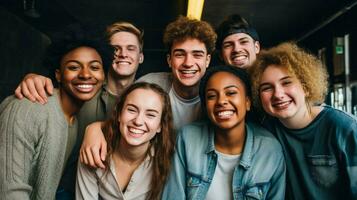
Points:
point(34, 88)
point(94, 147)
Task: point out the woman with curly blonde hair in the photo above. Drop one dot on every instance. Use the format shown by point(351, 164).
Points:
point(319, 141)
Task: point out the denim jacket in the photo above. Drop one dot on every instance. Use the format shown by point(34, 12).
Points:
point(260, 174)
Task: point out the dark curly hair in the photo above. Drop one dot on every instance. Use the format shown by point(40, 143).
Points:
point(184, 28)
point(75, 36)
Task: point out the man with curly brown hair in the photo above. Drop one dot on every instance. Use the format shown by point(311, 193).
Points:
point(190, 44)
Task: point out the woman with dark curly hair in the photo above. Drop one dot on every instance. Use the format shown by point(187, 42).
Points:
point(319, 141)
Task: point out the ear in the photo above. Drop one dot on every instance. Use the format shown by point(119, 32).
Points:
point(248, 103)
point(208, 60)
point(168, 59)
point(159, 129)
point(58, 75)
point(257, 47)
point(141, 58)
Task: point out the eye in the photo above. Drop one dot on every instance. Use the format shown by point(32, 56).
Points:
point(286, 82)
point(231, 92)
point(210, 96)
point(227, 45)
point(131, 109)
point(244, 41)
point(73, 67)
point(265, 88)
point(151, 115)
point(95, 67)
point(131, 48)
point(198, 55)
point(179, 54)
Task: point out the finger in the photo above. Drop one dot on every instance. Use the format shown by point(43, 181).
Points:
point(98, 162)
point(103, 151)
point(40, 89)
point(89, 157)
point(18, 93)
point(33, 87)
point(49, 86)
point(25, 91)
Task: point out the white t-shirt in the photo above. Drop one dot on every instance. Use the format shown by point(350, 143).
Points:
point(184, 111)
point(221, 185)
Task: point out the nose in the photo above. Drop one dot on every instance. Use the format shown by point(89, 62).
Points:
point(139, 119)
point(222, 100)
point(84, 73)
point(278, 92)
point(189, 61)
point(236, 47)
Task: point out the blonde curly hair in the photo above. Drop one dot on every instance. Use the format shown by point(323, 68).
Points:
point(307, 68)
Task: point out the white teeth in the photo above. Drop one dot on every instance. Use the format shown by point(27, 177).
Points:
point(282, 104)
point(241, 57)
point(136, 131)
point(85, 86)
point(225, 113)
point(188, 71)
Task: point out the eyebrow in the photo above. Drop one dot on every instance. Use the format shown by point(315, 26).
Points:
point(76, 61)
point(184, 51)
point(227, 87)
point(284, 78)
point(148, 110)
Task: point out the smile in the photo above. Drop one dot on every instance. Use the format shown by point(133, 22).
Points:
point(136, 131)
point(225, 114)
point(84, 87)
point(282, 105)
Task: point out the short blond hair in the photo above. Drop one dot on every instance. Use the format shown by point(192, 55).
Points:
point(307, 68)
point(127, 27)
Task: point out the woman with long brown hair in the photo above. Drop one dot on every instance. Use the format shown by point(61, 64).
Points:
point(140, 141)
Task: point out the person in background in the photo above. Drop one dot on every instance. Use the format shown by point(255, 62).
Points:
point(224, 157)
point(140, 145)
point(36, 140)
point(319, 142)
point(237, 42)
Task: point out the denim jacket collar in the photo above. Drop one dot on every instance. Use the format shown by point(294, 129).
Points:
point(246, 157)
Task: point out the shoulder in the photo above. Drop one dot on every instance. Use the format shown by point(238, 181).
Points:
point(194, 132)
point(263, 137)
point(338, 117)
point(164, 79)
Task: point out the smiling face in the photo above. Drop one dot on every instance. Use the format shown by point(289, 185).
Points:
point(226, 100)
point(81, 73)
point(282, 94)
point(239, 50)
point(188, 60)
point(140, 117)
point(128, 55)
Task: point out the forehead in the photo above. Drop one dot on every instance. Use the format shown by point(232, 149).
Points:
point(237, 36)
point(145, 99)
point(275, 72)
point(189, 44)
point(82, 54)
point(221, 80)
point(124, 37)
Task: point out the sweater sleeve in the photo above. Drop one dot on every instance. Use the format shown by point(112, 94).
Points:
point(17, 150)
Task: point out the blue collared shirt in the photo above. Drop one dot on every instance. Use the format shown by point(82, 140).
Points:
point(260, 174)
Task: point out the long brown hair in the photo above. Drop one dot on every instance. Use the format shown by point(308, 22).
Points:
point(162, 143)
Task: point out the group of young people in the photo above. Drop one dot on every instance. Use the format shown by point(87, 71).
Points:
point(193, 133)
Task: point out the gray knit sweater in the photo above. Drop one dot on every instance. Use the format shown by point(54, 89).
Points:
point(33, 140)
